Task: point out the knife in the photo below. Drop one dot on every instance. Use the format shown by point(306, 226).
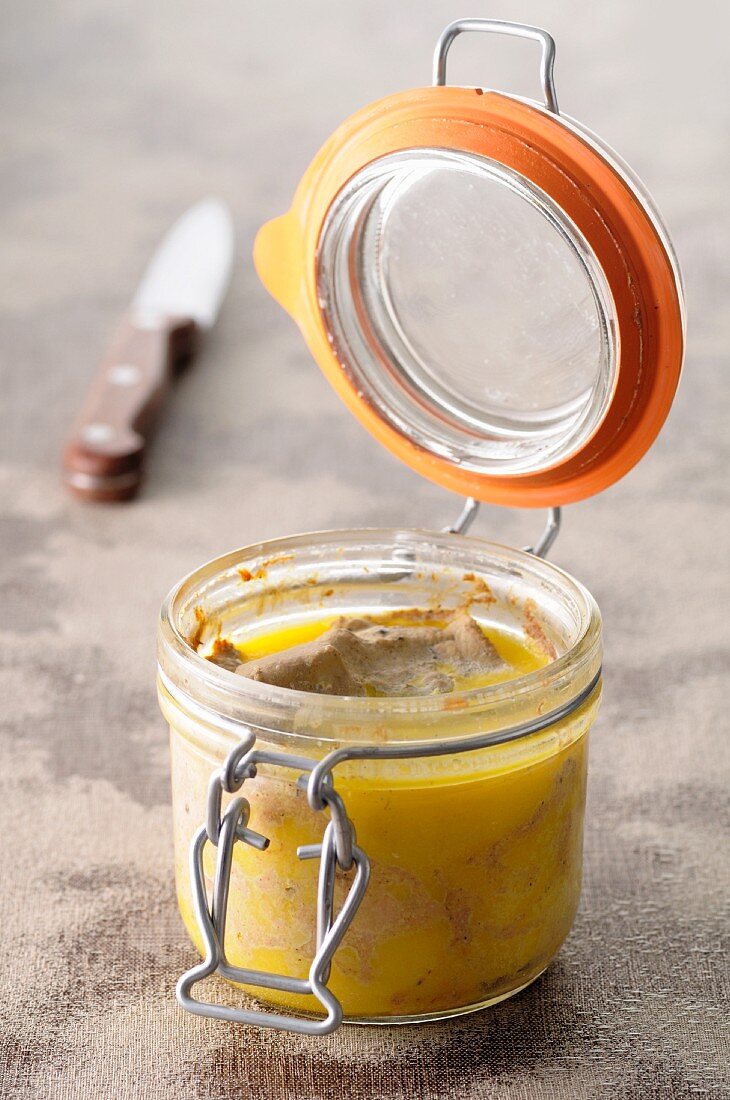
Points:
point(179, 297)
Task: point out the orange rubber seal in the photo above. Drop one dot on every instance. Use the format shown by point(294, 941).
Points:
point(593, 194)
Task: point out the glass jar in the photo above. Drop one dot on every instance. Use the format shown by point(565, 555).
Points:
point(474, 850)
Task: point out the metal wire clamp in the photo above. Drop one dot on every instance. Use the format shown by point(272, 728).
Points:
point(224, 830)
point(501, 26)
point(468, 514)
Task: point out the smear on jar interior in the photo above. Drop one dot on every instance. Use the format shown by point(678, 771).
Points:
point(407, 654)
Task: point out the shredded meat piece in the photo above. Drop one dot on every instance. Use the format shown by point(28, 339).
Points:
point(225, 654)
point(362, 657)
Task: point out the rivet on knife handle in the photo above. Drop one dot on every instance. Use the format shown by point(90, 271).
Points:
point(104, 457)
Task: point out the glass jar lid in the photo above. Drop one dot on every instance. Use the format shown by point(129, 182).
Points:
point(467, 309)
point(487, 287)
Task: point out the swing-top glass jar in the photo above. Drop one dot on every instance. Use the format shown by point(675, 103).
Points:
point(493, 294)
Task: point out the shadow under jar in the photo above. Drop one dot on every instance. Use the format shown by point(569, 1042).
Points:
point(475, 853)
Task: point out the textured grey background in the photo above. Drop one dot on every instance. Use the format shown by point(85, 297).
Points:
point(114, 118)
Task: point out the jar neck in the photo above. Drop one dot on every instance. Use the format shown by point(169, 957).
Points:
point(264, 587)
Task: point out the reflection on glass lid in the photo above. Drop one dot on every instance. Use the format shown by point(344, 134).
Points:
point(467, 309)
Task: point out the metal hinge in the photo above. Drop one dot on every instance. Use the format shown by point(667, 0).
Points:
point(468, 514)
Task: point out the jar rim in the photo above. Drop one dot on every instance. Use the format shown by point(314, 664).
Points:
point(188, 673)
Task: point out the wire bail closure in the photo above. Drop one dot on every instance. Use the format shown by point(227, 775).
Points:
point(547, 63)
point(468, 514)
point(501, 26)
point(224, 830)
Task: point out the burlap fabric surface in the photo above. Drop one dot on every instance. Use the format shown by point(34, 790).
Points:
point(115, 117)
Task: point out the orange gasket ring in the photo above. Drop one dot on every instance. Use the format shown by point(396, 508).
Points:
point(611, 217)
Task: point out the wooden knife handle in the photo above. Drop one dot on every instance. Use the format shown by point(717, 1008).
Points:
point(103, 458)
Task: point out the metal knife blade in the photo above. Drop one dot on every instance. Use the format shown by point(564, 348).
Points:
point(179, 296)
point(190, 270)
